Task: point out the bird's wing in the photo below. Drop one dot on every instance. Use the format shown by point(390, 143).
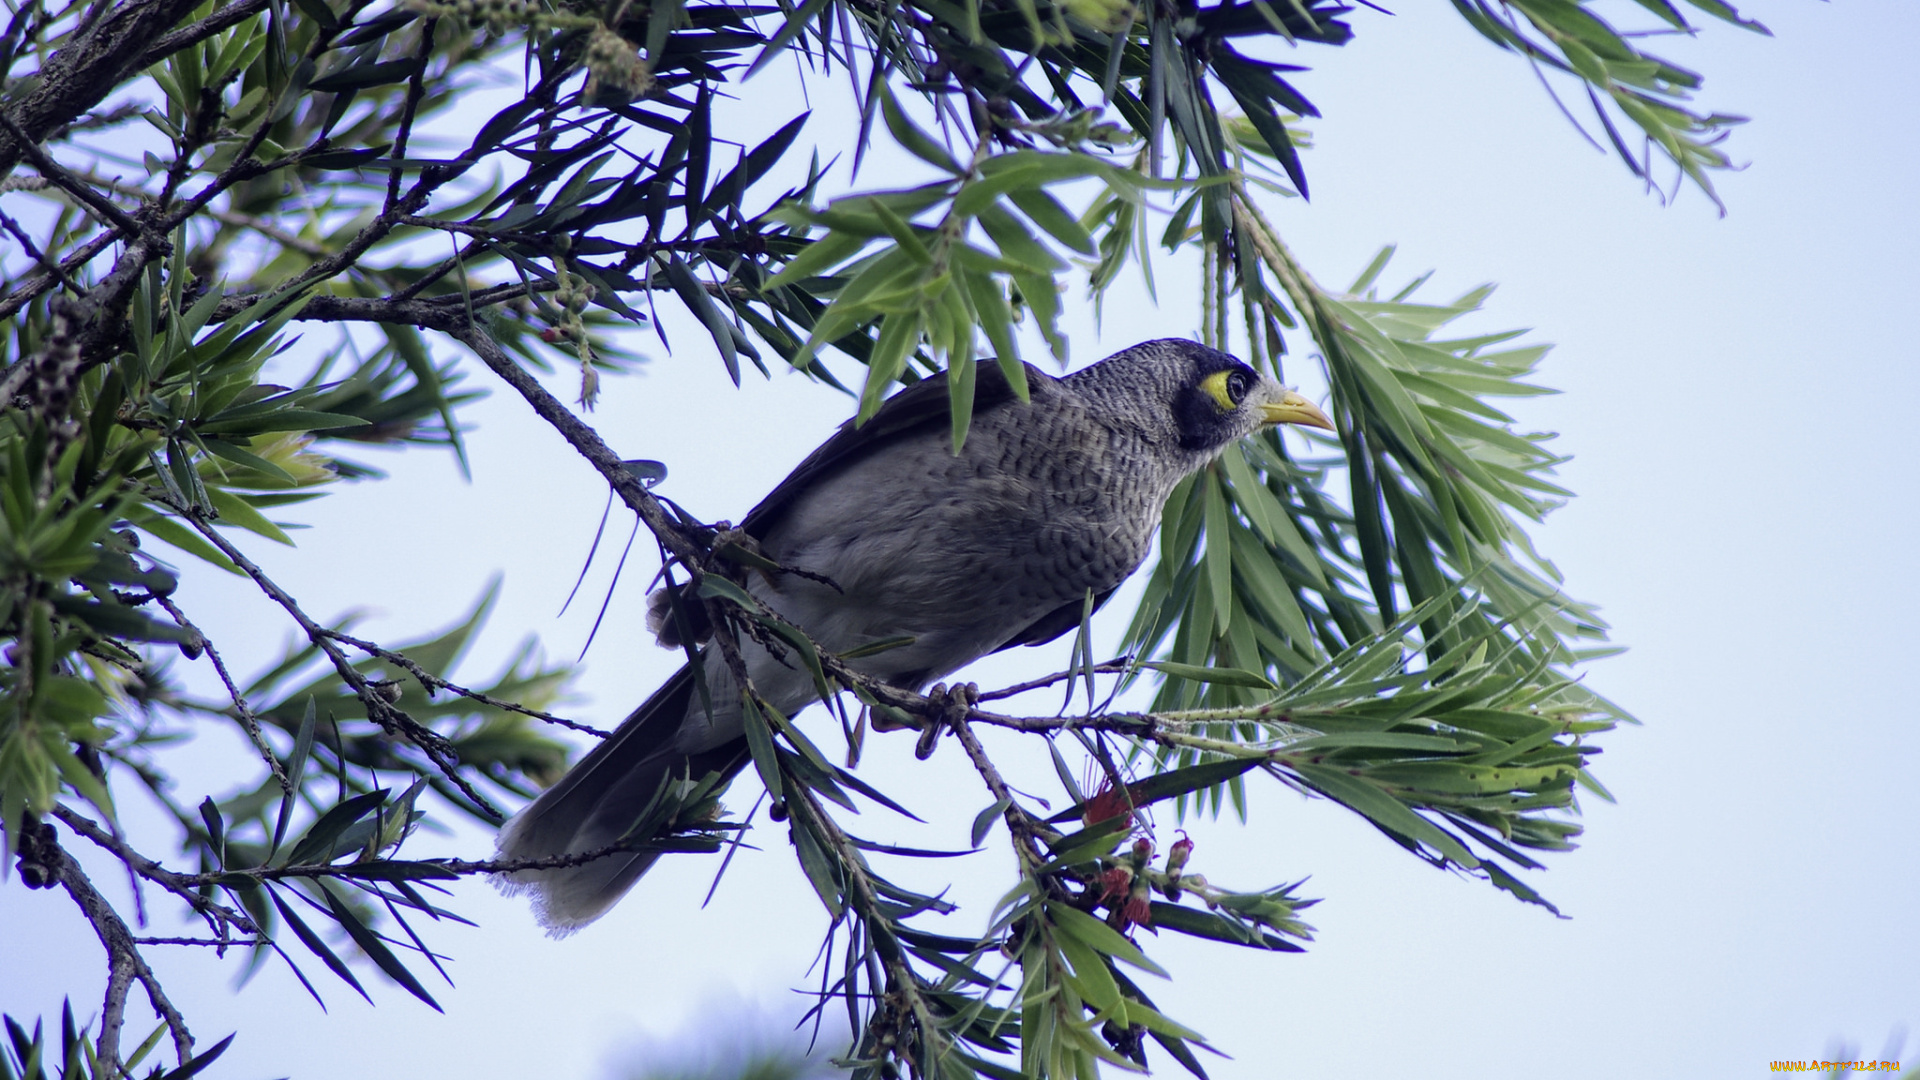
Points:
point(924, 406)
point(1055, 623)
point(921, 407)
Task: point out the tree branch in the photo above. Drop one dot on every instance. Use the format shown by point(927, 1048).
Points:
point(587, 442)
point(101, 206)
point(430, 682)
point(81, 75)
point(379, 710)
point(219, 917)
point(124, 962)
point(247, 720)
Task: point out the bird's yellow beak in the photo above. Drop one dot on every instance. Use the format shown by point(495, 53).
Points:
point(1294, 409)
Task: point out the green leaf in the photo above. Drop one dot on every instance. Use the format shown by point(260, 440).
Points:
point(376, 949)
point(1047, 213)
point(318, 843)
point(1387, 813)
point(760, 746)
point(694, 294)
point(1186, 920)
point(172, 532)
point(316, 946)
point(236, 510)
point(360, 76)
point(983, 821)
point(1101, 938)
point(1222, 676)
point(912, 139)
point(255, 422)
point(196, 1064)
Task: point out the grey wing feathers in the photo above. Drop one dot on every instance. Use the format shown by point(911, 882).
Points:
point(1055, 623)
point(924, 404)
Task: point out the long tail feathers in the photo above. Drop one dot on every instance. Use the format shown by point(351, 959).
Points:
point(596, 803)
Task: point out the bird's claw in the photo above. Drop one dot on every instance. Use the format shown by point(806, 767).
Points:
point(950, 706)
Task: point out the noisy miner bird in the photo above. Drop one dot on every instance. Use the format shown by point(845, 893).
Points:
point(966, 554)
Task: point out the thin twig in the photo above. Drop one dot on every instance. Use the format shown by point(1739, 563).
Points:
point(861, 892)
point(31, 291)
point(1019, 823)
point(218, 916)
point(382, 712)
point(101, 206)
point(247, 720)
point(586, 441)
point(34, 252)
point(225, 217)
point(431, 681)
point(1108, 667)
point(416, 89)
point(453, 867)
point(216, 943)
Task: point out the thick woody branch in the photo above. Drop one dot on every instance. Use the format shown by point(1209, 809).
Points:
point(125, 965)
point(78, 77)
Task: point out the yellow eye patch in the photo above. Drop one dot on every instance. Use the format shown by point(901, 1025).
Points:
point(1216, 387)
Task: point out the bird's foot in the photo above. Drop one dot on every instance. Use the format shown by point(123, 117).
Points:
point(950, 706)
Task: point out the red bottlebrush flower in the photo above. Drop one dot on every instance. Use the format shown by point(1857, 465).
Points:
point(1142, 851)
point(1115, 883)
point(1138, 910)
point(1106, 804)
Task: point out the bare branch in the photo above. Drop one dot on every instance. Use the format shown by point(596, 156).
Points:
point(31, 291)
point(585, 440)
point(1022, 826)
point(1108, 667)
point(218, 916)
point(432, 682)
point(453, 867)
point(247, 719)
point(382, 712)
point(101, 206)
point(217, 944)
point(125, 965)
point(33, 252)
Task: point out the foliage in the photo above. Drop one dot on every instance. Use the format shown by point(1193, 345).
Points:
point(1369, 624)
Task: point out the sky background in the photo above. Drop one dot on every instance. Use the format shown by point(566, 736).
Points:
point(1739, 404)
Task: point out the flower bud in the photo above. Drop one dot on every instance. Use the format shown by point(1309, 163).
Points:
point(1178, 854)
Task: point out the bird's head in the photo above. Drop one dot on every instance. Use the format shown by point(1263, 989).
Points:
point(1204, 399)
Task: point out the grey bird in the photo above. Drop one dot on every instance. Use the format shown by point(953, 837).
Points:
point(966, 554)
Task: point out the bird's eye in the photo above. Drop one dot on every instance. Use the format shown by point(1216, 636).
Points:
point(1238, 383)
point(1227, 388)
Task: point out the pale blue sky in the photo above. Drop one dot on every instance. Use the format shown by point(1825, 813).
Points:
point(1739, 400)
